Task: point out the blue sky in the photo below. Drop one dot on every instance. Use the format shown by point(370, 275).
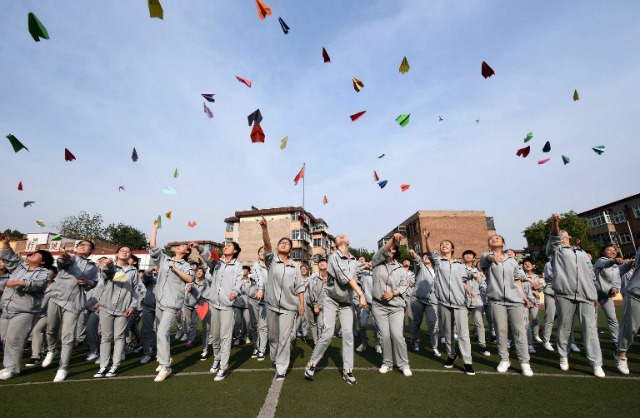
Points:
point(110, 79)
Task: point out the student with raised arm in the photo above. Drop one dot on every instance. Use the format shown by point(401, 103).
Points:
point(315, 294)
point(575, 291)
point(76, 275)
point(21, 299)
point(389, 295)
point(342, 271)
point(507, 298)
point(226, 279)
point(117, 302)
point(608, 270)
point(284, 298)
point(173, 273)
point(630, 318)
point(475, 305)
point(451, 290)
point(424, 302)
point(257, 309)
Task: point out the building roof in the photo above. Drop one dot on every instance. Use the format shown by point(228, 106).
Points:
point(201, 242)
point(272, 211)
point(599, 208)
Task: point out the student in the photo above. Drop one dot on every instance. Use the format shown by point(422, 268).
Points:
point(474, 304)
point(117, 302)
point(92, 318)
point(133, 323)
point(257, 308)
point(608, 270)
point(21, 300)
point(284, 298)
point(451, 290)
point(504, 290)
point(531, 286)
point(226, 278)
point(39, 331)
point(342, 271)
point(301, 326)
point(314, 298)
point(575, 292)
point(366, 283)
point(630, 318)
point(411, 279)
point(149, 281)
point(424, 302)
point(76, 275)
point(242, 322)
point(173, 273)
point(193, 297)
point(389, 294)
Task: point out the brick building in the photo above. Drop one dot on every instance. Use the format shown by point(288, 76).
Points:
point(616, 223)
point(466, 229)
point(309, 234)
point(206, 245)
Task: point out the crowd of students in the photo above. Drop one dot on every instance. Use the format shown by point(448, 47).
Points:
point(274, 301)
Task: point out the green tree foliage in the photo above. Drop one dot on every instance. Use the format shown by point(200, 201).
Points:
point(121, 234)
point(83, 226)
point(361, 252)
point(13, 233)
point(537, 235)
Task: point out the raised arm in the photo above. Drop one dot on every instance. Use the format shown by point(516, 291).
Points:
point(265, 234)
point(154, 235)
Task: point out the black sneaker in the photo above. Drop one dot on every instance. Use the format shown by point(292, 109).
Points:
point(255, 353)
point(34, 361)
point(101, 373)
point(450, 361)
point(468, 369)
point(113, 371)
point(279, 376)
point(260, 356)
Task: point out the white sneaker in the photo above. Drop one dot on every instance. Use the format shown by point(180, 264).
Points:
point(508, 343)
point(622, 365)
point(455, 337)
point(547, 346)
point(220, 376)
point(145, 359)
point(7, 374)
point(48, 359)
point(162, 374)
point(436, 352)
point(564, 363)
point(93, 357)
point(379, 349)
point(184, 338)
point(503, 366)
point(526, 370)
point(407, 372)
point(160, 367)
point(178, 335)
point(575, 348)
point(598, 372)
point(532, 349)
point(60, 375)
point(385, 369)
point(361, 348)
point(538, 339)
point(215, 367)
point(247, 340)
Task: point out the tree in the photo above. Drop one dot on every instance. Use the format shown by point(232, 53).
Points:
point(537, 235)
point(361, 252)
point(126, 235)
point(13, 233)
point(82, 225)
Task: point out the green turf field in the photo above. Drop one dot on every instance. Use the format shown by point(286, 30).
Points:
point(431, 390)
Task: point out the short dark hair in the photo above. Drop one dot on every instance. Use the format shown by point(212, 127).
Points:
point(91, 243)
point(246, 268)
point(604, 247)
point(529, 259)
point(236, 246)
point(469, 252)
point(47, 258)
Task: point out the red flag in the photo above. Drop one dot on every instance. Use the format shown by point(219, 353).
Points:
point(214, 255)
point(375, 176)
point(404, 187)
point(325, 200)
point(356, 116)
point(298, 176)
point(20, 186)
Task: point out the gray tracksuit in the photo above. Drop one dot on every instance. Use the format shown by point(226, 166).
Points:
point(449, 280)
point(39, 332)
point(66, 292)
point(315, 296)
point(574, 289)
point(506, 299)
point(337, 303)
point(148, 312)
point(117, 297)
point(424, 301)
point(169, 292)
point(476, 306)
point(608, 277)
point(19, 306)
point(631, 318)
point(389, 314)
point(257, 308)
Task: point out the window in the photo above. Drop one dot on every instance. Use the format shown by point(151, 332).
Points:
point(317, 242)
point(296, 253)
point(618, 217)
point(229, 226)
point(300, 234)
point(416, 247)
point(602, 239)
point(600, 218)
point(625, 238)
point(226, 240)
point(636, 211)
